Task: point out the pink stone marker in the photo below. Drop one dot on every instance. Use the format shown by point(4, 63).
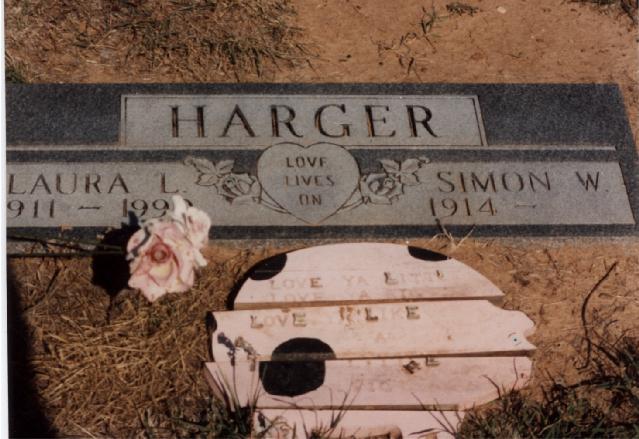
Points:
point(401, 329)
point(393, 340)
point(358, 273)
point(437, 383)
point(359, 424)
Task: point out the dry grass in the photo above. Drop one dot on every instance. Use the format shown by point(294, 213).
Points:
point(459, 8)
point(184, 40)
point(116, 366)
point(627, 7)
point(602, 403)
point(600, 399)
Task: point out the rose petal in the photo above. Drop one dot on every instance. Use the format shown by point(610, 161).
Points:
point(183, 284)
point(141, 264)
point(242, 201)
point(378, 199)
point(170, 232)
point(149, 289)
point(256, 188)
point(161, 273)
point(198, 224)
point(164, 254)
point(200, 261)
point(186, 269)
point(179, 208)
point(138, 241)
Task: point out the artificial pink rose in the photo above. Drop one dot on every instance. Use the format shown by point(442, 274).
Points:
point(162, 260)
point(164, 253)
point(196, 223)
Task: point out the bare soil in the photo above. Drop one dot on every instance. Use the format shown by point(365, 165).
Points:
point(92, 362)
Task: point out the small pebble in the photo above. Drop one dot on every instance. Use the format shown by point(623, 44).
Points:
point(501, 10)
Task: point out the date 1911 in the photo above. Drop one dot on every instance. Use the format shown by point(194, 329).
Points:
point(34, 209)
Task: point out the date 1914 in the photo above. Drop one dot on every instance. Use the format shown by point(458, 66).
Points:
point(447, 207)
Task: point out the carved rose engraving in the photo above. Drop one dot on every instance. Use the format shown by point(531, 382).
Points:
point(376, 188)
point(239, 188)
point(235, 188)
point(388, 186)
point(380, 189)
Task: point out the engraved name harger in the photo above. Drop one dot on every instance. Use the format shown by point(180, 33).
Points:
point(258, 121)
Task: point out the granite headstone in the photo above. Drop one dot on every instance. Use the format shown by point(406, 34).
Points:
point(277, 161)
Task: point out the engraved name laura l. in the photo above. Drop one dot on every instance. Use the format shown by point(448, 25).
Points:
point(35, 195)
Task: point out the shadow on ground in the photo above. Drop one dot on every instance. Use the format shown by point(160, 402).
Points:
point(26, 416)
point(111, 269)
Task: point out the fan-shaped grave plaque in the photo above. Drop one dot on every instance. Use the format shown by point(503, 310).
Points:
point(294, 423)
point(398, 329)
point(373, 328)
point(436, 383)
point(358, 273)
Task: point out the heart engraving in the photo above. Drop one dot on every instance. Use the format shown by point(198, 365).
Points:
point(311, 183)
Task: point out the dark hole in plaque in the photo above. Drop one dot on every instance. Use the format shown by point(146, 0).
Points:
point(293, 378)
point(268, 267)
point(263, 270)
point(426, 255)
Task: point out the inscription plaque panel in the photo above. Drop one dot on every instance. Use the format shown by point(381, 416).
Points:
point(453, 193)
point(332, 160)
point(259, 121)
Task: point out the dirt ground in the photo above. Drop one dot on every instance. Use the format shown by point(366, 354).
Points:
point(107, 363)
